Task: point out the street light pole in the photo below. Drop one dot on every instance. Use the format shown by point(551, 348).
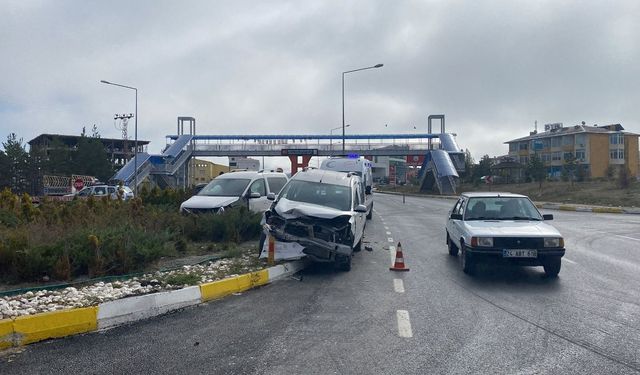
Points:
point(331, 139)
point(343, 73)
point(135, 154)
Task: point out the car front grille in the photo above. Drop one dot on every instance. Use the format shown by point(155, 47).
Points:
point(518, 242)
point(297, 230)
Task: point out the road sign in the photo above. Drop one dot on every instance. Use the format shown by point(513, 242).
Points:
point(298, 151)
point(78, 184)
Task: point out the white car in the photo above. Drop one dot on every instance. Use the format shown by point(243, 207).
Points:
point(359, 166)
point(236, 188)
point(322, 213)
point(503, 227)
point(100, 191)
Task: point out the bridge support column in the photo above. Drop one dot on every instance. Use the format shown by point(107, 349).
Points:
point(295, 164)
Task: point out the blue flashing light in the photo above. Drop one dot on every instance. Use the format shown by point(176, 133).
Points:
point(353, 156)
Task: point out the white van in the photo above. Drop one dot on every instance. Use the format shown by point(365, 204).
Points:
point(360, 166)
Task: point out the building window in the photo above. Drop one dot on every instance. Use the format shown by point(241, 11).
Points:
point(524, 146)
point(555, 156)
point(616, 139)
point(524, 160)
point(512, 147)
point(617, 154)
point(581, 140)
point(580, 155)
point(568, 156)
point(567, 140)
point(556, 141)
point(546, 157)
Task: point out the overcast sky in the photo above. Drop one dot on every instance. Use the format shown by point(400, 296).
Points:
point(274, 67)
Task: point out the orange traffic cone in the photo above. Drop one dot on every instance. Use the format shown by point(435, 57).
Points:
point(399, 263)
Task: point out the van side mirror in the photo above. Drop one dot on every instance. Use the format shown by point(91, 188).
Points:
point(271, 196)
point(547, 217)
point(367, 190)
point(456, 217)
point(254, 195)
point(361, 208)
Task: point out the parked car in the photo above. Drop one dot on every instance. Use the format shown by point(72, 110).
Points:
point(100, 191)
point(491, 227)
point(249, 188)
point(323, 212)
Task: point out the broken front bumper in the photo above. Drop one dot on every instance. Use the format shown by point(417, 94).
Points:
point(317, 249)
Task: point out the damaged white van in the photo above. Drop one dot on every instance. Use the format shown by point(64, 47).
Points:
point(320, 214)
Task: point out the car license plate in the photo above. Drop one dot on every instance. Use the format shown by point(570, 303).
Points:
point(519, 253)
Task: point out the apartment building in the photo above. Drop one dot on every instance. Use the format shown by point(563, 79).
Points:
point(597, 149)
point(203, 171)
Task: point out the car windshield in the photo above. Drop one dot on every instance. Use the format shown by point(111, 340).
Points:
point(501, 208)
point(334, 196)
point(229, 187)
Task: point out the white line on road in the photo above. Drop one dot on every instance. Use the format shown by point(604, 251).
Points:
point(398, 285)
point(386, 228)
point(569, 260)
point(389, 233)
point(390, 239)
point(392, 255)
point(404, 324)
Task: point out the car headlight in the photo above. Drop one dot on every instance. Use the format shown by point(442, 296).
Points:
point(554, 242)
point(482, 241)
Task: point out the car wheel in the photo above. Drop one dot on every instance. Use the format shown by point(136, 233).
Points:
point(453, 249)
point(343, 263)
point(468, 265)
point(263, 237)
point(552, 266)
point(370, 214)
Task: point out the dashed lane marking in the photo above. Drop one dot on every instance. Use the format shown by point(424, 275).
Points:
point(386, 228)
point(392, 255)
point(390, 239)
point(569, 260)
point(398, 285)
point(404, 324)
point(389, 233)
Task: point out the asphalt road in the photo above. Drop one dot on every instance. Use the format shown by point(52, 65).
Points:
point(432, 319)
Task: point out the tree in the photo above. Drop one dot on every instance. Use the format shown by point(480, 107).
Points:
point(537, 170)
point(59, 161)
point(570, 168)
point(468, 166)
point(91, 159)
point(16, 161)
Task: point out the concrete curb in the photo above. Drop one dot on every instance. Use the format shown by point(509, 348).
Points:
point(33, 328)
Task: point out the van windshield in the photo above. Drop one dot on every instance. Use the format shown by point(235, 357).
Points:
point(334, 196)
point(225, 187)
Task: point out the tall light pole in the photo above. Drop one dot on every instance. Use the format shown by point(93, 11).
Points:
point(343, 73)
point(135, 154)
point(331, 139)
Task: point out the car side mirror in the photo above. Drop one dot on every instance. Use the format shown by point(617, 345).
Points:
point(271, 196)
point(367, 190)
point(456, 217)
point(547, 217)
point(361, 208)
point(254, 195)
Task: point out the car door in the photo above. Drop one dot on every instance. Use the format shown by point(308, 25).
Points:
point(258, 204)
point(454, 227)
point(360, 218)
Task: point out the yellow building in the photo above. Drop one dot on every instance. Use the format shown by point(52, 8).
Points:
point(597, 149)
point(202, 171)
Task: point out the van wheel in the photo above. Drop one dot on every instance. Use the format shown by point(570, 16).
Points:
point(370, 214)
point(358, 247)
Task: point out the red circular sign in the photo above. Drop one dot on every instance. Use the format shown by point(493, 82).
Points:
point(78, 184)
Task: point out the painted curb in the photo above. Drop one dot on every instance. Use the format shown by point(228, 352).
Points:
point(33, 328)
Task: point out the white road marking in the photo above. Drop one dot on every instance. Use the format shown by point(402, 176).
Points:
point(387, 228)
point(629, 238)
point(398, 285)
point(569, 260)
point(390, 239)
point(389, 233)
point(404, 323)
